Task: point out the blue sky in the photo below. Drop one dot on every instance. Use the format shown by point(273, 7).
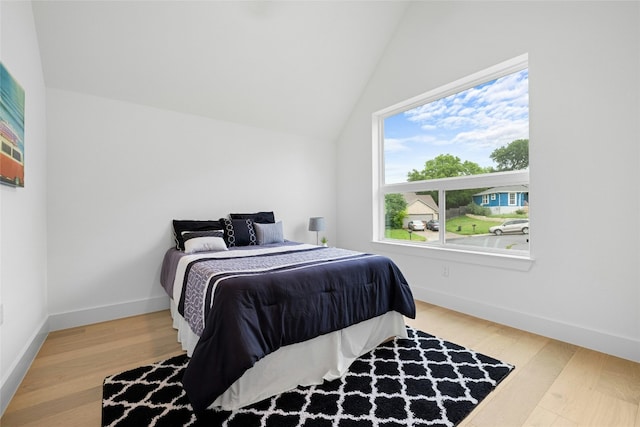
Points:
point(469, 124)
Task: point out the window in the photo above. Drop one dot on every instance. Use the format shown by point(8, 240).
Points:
point(462, 152)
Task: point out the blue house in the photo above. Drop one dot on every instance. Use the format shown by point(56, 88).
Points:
point(504, 199)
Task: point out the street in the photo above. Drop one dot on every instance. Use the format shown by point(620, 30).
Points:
point(518, 242)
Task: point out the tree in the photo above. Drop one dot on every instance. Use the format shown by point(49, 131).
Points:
point(446, 166)
point(513, 156)
point(395, 207)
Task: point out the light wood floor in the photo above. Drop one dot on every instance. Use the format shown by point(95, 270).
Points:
point(554, 383)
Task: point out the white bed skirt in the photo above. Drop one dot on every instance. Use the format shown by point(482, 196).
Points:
point(326, 357)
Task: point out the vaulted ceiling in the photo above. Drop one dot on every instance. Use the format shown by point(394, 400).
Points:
point(290, 66)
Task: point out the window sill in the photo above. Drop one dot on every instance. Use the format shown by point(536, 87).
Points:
point(457, 254)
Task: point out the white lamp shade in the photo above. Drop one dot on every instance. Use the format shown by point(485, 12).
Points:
point(316, 223)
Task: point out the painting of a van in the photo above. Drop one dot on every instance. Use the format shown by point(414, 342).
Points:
point(11, 163)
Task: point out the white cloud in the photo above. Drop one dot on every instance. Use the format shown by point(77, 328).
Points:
point(471, 123)
point(488, 112)
point(394, 145)
point(495, 136)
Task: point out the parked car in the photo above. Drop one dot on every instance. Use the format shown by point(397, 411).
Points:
point(433, 225)
point(511, 226)
point(416, 225)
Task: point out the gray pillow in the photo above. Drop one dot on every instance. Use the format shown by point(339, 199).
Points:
point(269, 233)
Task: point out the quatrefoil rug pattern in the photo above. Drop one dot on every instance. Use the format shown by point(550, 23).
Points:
point(419, 381)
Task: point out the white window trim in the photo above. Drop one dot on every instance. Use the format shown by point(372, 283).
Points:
point(448, 251)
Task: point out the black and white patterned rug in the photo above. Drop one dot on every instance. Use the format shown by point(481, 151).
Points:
point(420, 381)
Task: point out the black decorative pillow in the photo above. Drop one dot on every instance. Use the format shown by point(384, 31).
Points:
point(239, 232)
point(182, 226)
point(260, 217)
point(186, 235)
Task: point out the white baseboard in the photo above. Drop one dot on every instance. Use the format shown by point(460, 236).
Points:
point(104, 313)
point(624, 347)
point(69, 320)
point(20, 367)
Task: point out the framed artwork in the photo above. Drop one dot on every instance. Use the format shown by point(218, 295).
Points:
point(11, 130)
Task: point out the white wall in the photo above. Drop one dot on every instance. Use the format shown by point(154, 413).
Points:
point(119, 173)
point(584, 136)
point(23, 211)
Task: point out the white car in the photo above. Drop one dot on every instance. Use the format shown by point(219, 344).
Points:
point(511, 226)
point(416, 225)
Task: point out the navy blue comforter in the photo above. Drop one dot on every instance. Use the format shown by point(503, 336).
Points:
point(253, 315)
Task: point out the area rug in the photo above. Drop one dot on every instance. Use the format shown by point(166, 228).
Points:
point(419, 381)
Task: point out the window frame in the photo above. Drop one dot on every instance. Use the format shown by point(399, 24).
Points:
point(483, 256)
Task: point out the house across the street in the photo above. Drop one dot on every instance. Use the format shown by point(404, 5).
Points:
point(502, 200)
point(420, 207)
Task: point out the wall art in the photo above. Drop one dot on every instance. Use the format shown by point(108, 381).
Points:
point(11, 130)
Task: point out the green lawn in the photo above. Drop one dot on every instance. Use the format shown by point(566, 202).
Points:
point(466, 225)
point(402, 234)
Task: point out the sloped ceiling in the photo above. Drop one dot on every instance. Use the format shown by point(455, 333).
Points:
point(291, 66)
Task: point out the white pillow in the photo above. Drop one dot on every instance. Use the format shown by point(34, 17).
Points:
point(269, 233)
point(204, 244)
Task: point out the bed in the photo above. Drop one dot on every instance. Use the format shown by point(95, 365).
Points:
point(263, 317)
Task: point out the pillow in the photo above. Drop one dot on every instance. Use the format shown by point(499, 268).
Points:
point(261, 217)
point(238, 232)
point(186, 235)
point(269, 233)
point(180, 226)
point(204, 244)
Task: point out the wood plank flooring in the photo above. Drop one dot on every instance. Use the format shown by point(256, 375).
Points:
point(554, 384)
